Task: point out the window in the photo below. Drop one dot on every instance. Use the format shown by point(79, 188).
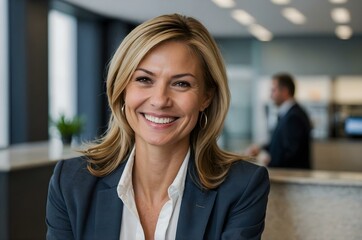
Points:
point(62, 65)
point(4, 75)
point(237, 130)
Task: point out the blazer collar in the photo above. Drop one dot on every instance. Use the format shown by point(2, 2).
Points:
point(197, 204)
point(109, 208)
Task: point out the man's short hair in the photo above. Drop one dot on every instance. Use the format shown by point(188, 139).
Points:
point(285, 80)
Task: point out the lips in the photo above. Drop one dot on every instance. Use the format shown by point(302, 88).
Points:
point(159, 120)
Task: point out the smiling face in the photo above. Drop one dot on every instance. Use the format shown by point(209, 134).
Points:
point(165, 95)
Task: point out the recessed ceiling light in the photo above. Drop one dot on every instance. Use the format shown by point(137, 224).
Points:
point(294, 15)
point(343, 32)
point(337, 1)
point(260, 32)
point(224, 3)
point(340, 15)
point(242, 17)
point(280, 2)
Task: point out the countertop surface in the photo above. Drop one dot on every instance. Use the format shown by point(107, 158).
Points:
point(30, 155)
point(320, 177)
point(42, 153)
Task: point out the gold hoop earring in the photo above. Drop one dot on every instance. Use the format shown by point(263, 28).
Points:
point(203, 123)
point(122, 109)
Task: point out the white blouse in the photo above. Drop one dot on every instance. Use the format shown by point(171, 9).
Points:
point(166, 226)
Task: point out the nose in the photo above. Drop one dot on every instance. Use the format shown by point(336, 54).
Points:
point(160, 96)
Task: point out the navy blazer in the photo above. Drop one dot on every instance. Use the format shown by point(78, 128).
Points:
point(82, 206)
point(290, 142)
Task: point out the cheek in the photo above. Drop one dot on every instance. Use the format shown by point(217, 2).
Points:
point(192, 119)
point(132, 97)
point(192, 106)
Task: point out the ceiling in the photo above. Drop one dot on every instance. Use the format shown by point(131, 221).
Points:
point(219, 21)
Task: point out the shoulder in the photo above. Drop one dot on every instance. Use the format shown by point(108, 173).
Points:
point(72, 165)
point(298, 113)
point(70, 192)
point(245, 176)
point(72, 168)
point(243, 171)
point(298, 109)
point(71, 176)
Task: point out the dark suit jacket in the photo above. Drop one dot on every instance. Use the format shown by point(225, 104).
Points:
point(290, 142)
point(81, 206)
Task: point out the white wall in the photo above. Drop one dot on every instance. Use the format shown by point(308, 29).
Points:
point(4, 75)
point(348, 90)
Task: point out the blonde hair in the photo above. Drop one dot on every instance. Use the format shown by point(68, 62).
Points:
point(212, 163)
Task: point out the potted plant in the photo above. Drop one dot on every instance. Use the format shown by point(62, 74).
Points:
point(68, 127)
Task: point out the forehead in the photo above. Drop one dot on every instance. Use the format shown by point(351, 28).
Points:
point(172, 54)
point(275, 82)
point(172, 46)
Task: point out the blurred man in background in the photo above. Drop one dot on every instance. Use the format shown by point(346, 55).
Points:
point(289, 146)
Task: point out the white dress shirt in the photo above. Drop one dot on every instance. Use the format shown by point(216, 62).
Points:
point(166, 226)
point(284, 108)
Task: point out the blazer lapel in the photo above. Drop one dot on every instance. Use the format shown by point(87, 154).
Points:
point(109, 208)
point(195, 211)
point(196, 207)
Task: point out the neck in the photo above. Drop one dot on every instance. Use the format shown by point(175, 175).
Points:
point(155, 169)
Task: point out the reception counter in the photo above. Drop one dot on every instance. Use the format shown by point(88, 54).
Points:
point(25, 170)
point(302, 204)
point(314, 205)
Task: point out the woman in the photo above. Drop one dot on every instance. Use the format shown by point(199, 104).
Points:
point(158, 172)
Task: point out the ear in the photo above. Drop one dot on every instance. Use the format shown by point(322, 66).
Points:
point(206, 100)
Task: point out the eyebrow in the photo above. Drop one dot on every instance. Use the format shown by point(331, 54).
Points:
point(174, 76)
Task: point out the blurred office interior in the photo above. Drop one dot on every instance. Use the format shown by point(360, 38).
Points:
point(54, 61)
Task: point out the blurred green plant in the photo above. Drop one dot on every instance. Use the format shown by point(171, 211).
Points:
point(68, 127)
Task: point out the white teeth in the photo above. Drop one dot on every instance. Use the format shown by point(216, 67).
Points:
point(158, 120)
